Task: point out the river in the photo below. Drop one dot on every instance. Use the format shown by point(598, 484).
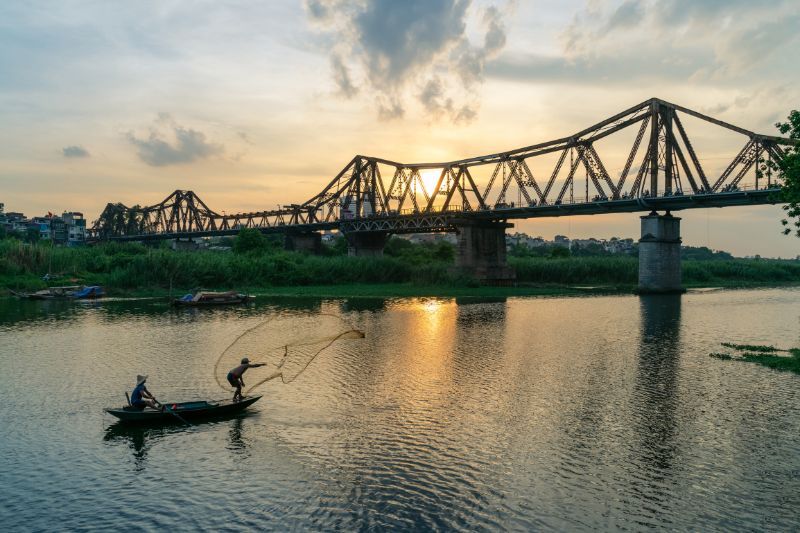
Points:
point(517, 414)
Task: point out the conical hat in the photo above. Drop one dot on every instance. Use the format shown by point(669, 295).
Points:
point(140, 379)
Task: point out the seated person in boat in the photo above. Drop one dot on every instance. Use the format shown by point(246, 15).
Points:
point(141, 397)
point(235, 376)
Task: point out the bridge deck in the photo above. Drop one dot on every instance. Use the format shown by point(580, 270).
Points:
point(443, 221)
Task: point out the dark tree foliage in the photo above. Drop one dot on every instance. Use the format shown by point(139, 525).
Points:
point(32, 235)
point(250, 240)
point(703, 253)
point(559, 251)
point(789, 169)
point(427, 252)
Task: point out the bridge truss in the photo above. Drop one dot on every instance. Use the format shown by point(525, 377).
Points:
point(662, 170)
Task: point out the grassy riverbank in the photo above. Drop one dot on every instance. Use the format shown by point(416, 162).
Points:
point(406, 270)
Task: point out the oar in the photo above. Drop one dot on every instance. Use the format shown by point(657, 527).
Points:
point(173, 413)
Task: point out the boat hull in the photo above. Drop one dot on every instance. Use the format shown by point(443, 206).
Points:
point(174, 412)
point(212, 302)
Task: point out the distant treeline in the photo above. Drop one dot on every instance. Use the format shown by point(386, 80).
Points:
point(256, 261)
point(699, 253)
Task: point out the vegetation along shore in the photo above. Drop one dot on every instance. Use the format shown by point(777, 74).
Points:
point(259, 265)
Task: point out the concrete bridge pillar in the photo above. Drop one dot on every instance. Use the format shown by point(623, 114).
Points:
point(366, 243)
point(481, 251)
point(660, 254)
point(307, 241)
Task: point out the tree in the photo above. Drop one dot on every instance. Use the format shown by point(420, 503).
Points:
point(249, 240)
point(789, 171)
point(32, 234)
point(559, 251)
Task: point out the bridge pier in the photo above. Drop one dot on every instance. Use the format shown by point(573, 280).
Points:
point(307, 241)
point(366, 243)
point(481, 251)
point(660, 254)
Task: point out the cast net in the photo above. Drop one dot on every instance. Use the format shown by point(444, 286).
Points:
point(287, 344)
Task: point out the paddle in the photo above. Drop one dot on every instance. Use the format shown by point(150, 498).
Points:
point(170, 411)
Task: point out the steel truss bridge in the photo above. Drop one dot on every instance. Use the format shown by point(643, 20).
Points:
point(662, 171)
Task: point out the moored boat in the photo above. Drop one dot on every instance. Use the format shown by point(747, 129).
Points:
point(50, 293)
point(63, 293)
point(182, 411)
point(212, 298)
point(90, 292)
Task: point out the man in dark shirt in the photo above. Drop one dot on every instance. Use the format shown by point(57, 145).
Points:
point(141, 397)
point(235, 377)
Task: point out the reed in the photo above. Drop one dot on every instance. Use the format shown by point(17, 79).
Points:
point(139, 267)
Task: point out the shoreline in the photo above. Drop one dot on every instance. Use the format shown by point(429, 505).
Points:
point(408, 290)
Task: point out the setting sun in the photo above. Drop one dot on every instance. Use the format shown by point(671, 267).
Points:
point(429, 180)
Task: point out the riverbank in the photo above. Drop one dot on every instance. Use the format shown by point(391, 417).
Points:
point(410, 290)
point(418, 270)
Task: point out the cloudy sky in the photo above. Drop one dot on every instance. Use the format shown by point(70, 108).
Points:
point(255, 104)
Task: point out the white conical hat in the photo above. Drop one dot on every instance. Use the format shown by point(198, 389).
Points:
point(140, 379)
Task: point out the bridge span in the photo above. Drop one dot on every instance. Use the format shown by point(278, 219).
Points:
point(372, 198)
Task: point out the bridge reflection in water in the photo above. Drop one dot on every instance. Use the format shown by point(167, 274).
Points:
point(655, 393)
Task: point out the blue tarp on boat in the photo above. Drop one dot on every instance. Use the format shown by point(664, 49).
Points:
point(95, 291)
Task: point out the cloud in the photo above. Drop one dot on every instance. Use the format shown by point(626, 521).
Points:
point(640, 64)
point(628, 14)
point(171, 144)
point(671, 12)
point(762, 98)
point(75, 151)
point(433, 99)
point(390, 109)
point(739, 34)
point(341, 76)
point(396, 50)
point(317, 9)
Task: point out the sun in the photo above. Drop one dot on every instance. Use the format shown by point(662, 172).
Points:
point(429, 179)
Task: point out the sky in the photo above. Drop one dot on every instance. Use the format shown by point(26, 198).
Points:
point(258, 104)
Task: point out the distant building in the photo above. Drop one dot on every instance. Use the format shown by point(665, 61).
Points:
point(76, 228)
point(42, 225)
point(14, 222)
point(58, 230)
point(619, 246)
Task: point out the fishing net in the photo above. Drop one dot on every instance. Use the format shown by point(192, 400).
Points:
point(287, 344)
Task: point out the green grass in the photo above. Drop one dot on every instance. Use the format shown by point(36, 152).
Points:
point(752, 347)
point(776, 362)
point(406, 270)
point(763, 355)
point(723, 356)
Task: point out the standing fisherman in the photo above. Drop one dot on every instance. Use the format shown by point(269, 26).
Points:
point(235, 377)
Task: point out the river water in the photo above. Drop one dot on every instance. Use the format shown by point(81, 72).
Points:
point(516, 414)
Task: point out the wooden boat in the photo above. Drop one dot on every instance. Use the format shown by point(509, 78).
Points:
point(79, 292)
point(178, 412)
point(50, 293)
point(212, 298)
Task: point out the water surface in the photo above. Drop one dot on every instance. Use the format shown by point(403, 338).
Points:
point(521, 414)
